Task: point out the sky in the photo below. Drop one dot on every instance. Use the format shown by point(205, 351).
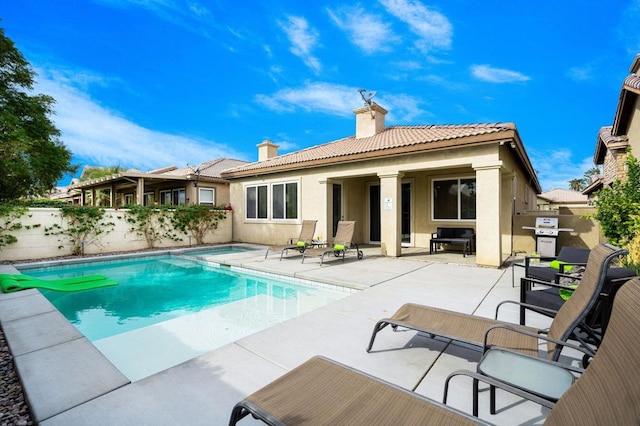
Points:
point(149, 83)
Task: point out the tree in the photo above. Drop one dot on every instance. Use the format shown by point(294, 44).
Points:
point(579, 184)
point(32, 157)
point(97, 172)
point(576, 184)
point(618, 206)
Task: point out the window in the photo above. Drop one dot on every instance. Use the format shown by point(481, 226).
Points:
point(165, 198)
point(128, 199)
point(179, 197)
point(207, 196)
point(256, 199)
point(285, 200)
point(454, 199)
point(149, 198)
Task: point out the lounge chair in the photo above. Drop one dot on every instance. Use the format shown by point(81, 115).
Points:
point(342, 242)
point(304, 240)
point(485, 332)
point(609, 389)
point(324, 392)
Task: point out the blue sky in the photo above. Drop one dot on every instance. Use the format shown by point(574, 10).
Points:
point(149, 83)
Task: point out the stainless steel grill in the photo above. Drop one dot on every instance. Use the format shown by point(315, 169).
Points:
point(546, 231)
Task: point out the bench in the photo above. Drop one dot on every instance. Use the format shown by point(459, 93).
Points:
point(456, 236)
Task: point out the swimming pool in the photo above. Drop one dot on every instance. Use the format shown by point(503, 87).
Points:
point(168, 309)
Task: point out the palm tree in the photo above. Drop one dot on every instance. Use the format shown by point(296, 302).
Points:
point(576, 184)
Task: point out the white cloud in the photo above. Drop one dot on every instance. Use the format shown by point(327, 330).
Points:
point(303, 40)
point(433, 28)
point(557, 168)
point(497, 75)
point(100, 136)
point(338, 100)
point(184, 13)
point(367, 31)
point(333, 99)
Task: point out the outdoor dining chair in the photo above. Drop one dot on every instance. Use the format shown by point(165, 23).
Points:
point(608, 390)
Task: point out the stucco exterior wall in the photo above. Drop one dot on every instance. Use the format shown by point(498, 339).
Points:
point(34, 244)
point(634, 129)
point(586, 232)
point(420, 169)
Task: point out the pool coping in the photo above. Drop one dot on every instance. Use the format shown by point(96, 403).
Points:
point(51, 355)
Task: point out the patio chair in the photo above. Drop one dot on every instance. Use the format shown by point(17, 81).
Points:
point(304, 240)
point(324, 392)
point(607, 392)
point(547, 296)
point(567, 259)
point(486, 332)
point(342, 242)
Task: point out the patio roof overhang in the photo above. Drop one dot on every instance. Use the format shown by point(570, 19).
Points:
point(125, 179)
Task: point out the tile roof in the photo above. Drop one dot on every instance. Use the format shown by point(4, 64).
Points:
point(606, 141)
point(560, 195)
point(632, 81)
point(389, 141)
point(605, 135)
point(212, 168)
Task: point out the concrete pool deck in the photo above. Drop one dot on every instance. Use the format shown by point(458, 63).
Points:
point(69, 382)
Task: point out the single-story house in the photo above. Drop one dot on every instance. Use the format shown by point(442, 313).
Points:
point(613, 141)
point(557, 198)
point(167, 186)
point(398, 183)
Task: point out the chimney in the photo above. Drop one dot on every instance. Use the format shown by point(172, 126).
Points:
point(369, 120)
point(266, 150)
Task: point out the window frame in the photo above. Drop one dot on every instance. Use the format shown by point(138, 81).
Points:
point(175, 197)
point(257, 208)
point(290, 208)
point(165, 195)
point(149, 198)
point(459, 209)
point(286, 210)
point(213, 197)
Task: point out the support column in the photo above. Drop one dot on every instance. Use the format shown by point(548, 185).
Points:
point(140, 192)
point(324, 226)
point(488, 214)
point(390, 214)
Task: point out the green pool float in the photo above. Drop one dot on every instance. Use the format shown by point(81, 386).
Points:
point(16, 282)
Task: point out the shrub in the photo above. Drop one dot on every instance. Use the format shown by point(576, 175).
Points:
point(82, 226)
point(197, 220)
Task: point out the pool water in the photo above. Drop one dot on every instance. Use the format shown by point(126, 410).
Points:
point(168, 309)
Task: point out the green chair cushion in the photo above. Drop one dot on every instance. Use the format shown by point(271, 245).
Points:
point(555, 264)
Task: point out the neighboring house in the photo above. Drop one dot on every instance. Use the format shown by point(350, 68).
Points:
point(398, 183)
point(613, 141)
point(169, 186)
point(558, 197)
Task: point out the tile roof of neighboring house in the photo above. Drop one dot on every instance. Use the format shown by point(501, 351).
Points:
point(212, 168)
point(632, 81)
point(210, 171)
point(607, 141)
point(559, 195)
point(390, 141)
